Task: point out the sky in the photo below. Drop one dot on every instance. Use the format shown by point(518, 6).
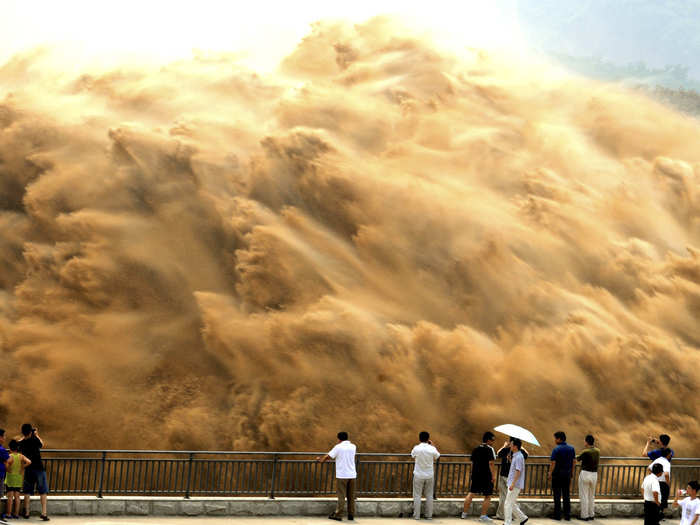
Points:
point(262, 31)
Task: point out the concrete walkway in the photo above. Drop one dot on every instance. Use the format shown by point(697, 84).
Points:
point(159, 520)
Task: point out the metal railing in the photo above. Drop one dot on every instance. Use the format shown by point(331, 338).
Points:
point(207, 473)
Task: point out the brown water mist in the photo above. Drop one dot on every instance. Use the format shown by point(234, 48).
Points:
point(379, 238)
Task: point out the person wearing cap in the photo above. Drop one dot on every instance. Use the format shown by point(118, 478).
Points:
point(345, 475)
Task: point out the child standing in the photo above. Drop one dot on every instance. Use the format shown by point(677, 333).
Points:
point(14, 479)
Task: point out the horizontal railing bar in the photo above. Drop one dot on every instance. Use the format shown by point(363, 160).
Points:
point(258, 453)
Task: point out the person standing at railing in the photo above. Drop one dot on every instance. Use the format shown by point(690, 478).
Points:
point(483, 475)
point(345, 475)
point(587, 479)
point(561, 468)
point(653, 448)
point(35, 475)
point(651, 491)
point(5, 462)
point(664, 478)
point(690, 505)
point(504, 453)
point(516, 483)
point(425, 454)
point(15, 479)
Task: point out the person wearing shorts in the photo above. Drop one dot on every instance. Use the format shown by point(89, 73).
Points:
point(14, 480)
point(483, 475)
point(34, 475)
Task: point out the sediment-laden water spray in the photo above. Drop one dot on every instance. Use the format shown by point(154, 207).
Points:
point(379, 238)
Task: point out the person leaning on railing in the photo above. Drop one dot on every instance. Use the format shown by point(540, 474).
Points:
point(344, 455)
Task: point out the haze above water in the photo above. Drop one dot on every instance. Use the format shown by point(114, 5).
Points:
point(379, 237)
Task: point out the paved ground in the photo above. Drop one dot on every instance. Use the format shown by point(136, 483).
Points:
point(157, 520)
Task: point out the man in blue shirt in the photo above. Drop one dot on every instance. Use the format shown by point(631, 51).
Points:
point(654, 447)
point(561, 469)
point(5, 461)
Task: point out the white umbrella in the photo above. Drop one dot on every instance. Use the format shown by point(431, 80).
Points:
point(518, 432)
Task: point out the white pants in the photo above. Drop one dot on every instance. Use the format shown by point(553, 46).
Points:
point(423, 487)
point(586, 492)
point(502, 493)
point(512, 508)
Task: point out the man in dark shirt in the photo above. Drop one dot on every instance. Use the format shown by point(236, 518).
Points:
point(561, 469)
point(504, 454)
point(587, 479)
point(34, 475)
point(483, 475)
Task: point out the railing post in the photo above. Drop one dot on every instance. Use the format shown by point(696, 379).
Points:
point(102, 473)
point(272, 478)
point(189, 476)
point(357, 479)
point(436, 477)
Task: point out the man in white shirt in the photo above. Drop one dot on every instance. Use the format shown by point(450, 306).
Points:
point(345, 475)
point(690, 506)
point(664, 460)
point(425, 454)
point(651, 490)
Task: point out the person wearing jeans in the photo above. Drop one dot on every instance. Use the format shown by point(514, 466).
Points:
point(516, 482)
point(344, 455)
point(587, 479)
point(425, 454)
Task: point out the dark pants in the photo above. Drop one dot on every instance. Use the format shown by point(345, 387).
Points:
point(651, 513)
point(560, 489)
point(665, 490)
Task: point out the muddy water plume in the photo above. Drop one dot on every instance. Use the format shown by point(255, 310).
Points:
point(379, 237)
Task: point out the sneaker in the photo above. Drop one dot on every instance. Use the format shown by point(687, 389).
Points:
point(44, 517)
point(463, 516)
point(25, 515)
point(485, 518)
point(334, 517)
point(524, 521)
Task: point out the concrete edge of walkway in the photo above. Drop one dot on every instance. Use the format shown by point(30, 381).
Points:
point(288, 506)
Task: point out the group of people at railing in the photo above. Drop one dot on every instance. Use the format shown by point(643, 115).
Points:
point(22, 472)
point(512, 474)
